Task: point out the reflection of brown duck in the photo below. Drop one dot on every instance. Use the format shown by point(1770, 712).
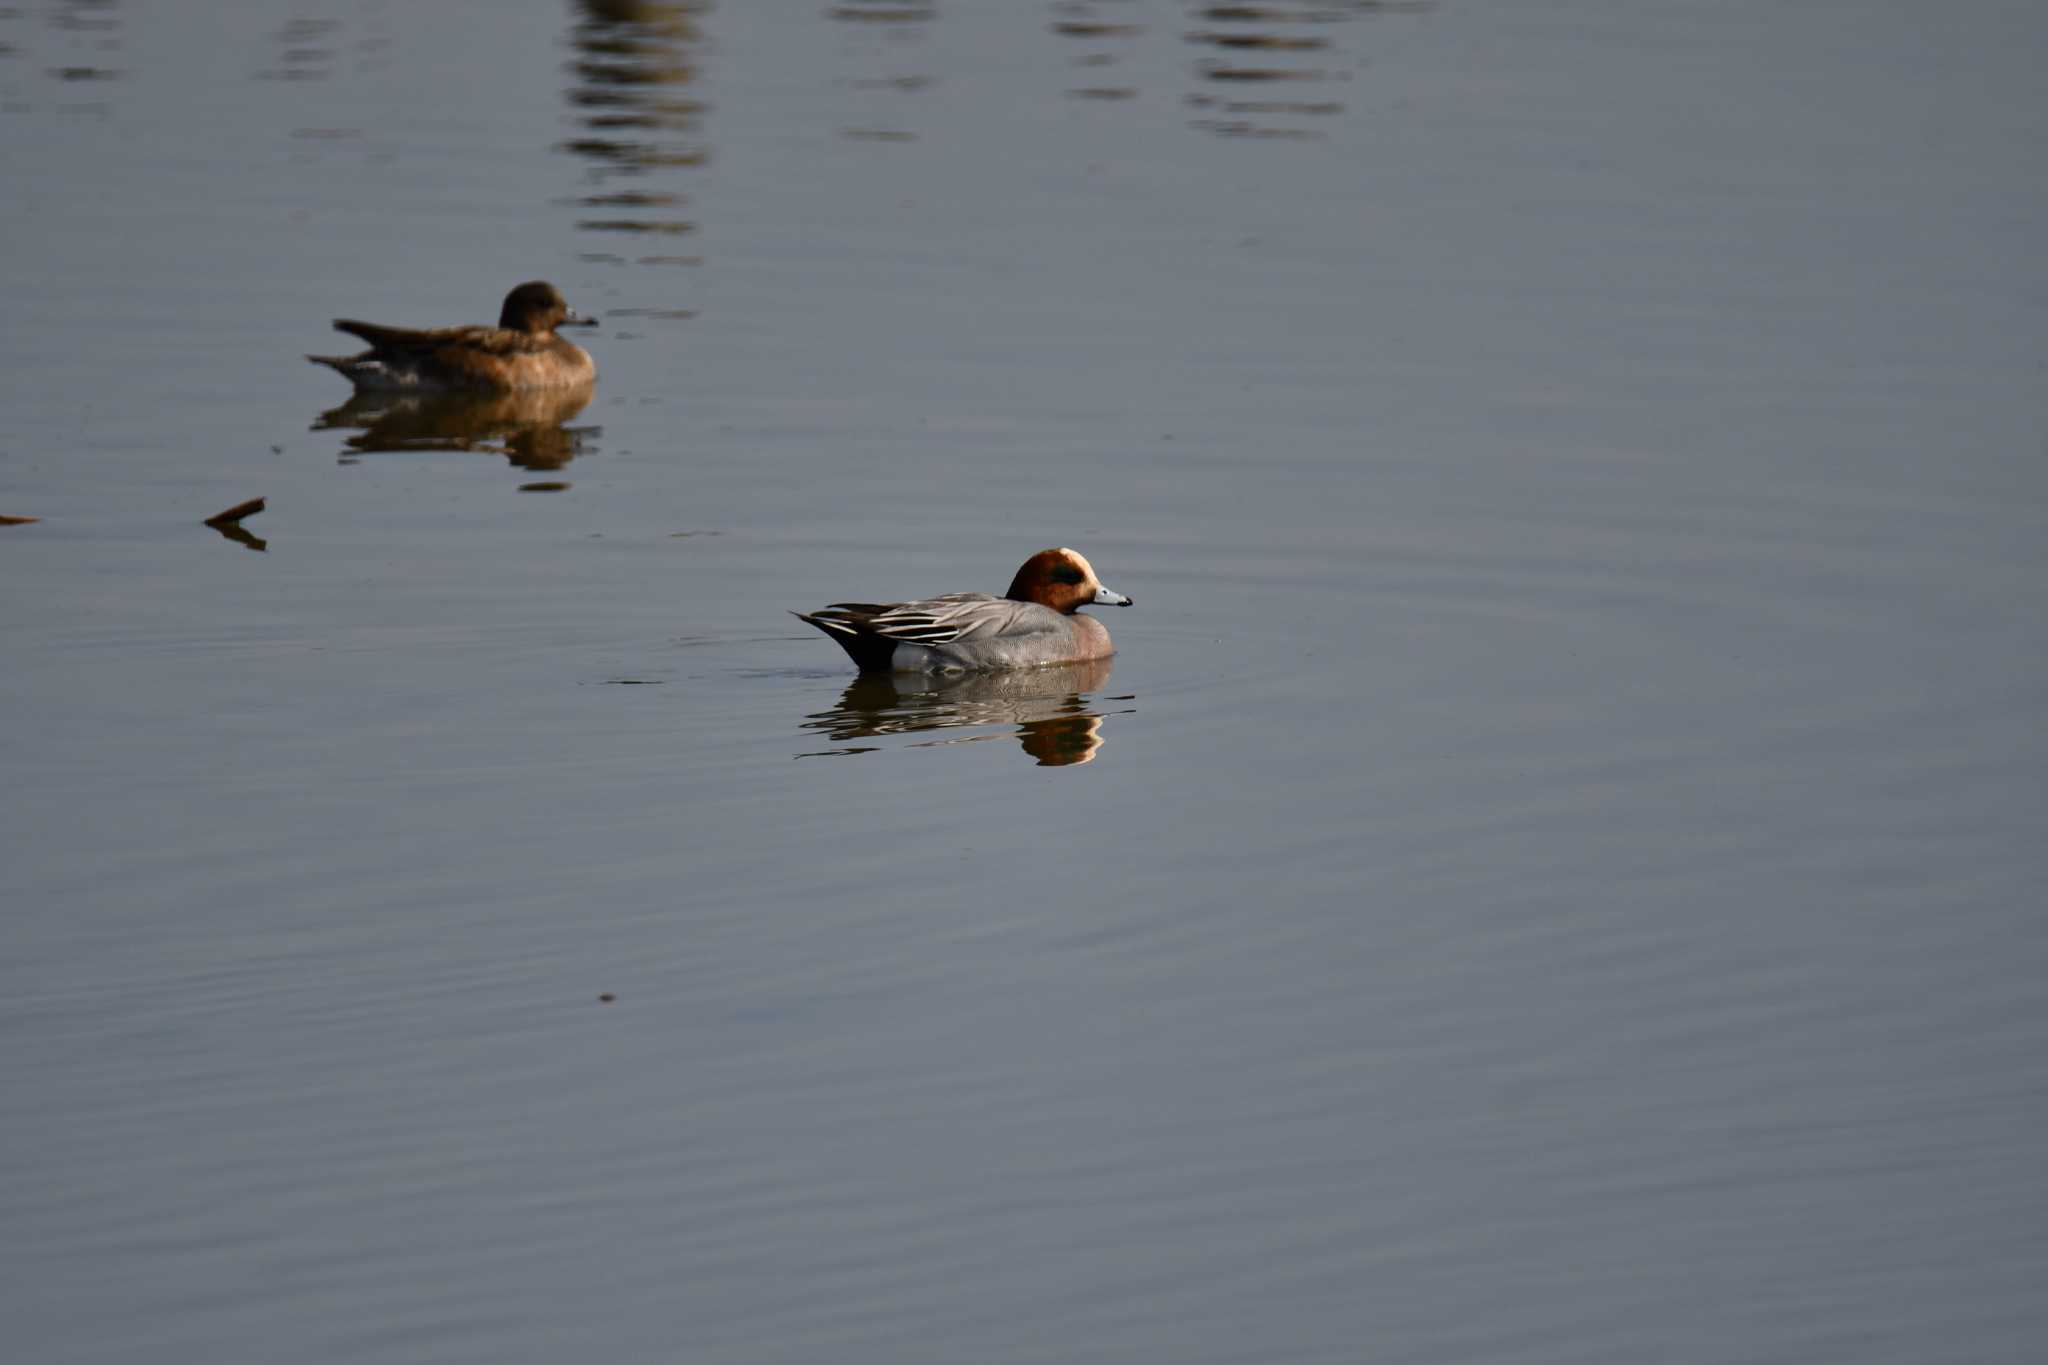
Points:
point(527, 428)
point(521, 352)
point(1055, 724)
point(632, 58)
point(667, 17)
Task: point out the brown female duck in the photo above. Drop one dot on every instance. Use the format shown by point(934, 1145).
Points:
point(521, 352)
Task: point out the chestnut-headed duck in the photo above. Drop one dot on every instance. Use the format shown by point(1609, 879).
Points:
point(1032, 624)
point(521, 352)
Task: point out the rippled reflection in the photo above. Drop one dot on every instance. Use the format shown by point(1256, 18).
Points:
point(75, 44)
point(1108, 39)
point(881, 35)
point(883, 12)
point(1253, 58)
point(1251, 46)
point(1048, 709)
point(637, 122)
point(305, 51)
point(529, 429)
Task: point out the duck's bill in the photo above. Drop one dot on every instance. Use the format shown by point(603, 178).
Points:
point(1105, 598)
point(577, 320)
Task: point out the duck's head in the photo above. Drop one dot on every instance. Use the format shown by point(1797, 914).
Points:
point(539, 307)
point(1063, 580)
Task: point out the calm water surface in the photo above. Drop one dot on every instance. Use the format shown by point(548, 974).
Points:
point(1553, 874)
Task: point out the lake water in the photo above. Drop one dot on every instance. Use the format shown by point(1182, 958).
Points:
point(1555, 872)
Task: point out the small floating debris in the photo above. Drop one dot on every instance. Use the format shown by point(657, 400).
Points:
point(606, 998)
point(229, 524)
point(235, 514)
point(18, 521)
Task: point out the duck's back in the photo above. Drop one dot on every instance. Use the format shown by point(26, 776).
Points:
point(488, 358)
point(970, 630)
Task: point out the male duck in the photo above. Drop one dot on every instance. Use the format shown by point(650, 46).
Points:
point(1034, 623)
point(521, 352)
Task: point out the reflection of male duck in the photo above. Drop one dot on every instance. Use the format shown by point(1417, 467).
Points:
point(527, 428)
point(1055, 724)
point(521, 352)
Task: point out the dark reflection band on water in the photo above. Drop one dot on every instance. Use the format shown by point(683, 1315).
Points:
point(1249, 46)
point(637, 124)
point(883, 12)
point(239, 534)
point(1252, 60)
point(1048, 711)
point(76, 47)
point(530, 429)
point(1109, 38)
point(880, 32)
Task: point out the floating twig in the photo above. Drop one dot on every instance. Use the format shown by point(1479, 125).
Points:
point(236, 513)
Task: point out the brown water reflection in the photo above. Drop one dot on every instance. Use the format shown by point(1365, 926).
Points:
point(1055, 722)
point(1256, 44)
point(529, 429)
point(636, 121)
point(234, 531)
